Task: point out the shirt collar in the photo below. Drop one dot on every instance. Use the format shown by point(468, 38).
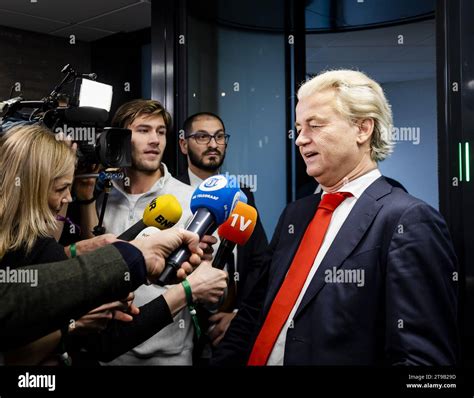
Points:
point(359, 185)
point(194, 180)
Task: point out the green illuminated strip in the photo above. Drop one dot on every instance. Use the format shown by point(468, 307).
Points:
point(468, 163)
point(460, 162)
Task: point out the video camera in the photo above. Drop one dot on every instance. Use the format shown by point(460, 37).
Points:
point(82, 119)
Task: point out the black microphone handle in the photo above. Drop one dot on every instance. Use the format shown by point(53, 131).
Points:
point(133, 231)
point(225, 249)
point(202, 223)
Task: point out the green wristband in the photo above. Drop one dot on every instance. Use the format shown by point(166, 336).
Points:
point(189, 299)
point(72, 249)
point(188, 292)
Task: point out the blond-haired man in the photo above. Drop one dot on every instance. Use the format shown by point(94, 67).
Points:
point(361, 274)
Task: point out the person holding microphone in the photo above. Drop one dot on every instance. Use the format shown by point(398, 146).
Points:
point(37, 172)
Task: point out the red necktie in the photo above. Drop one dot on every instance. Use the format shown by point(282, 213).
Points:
point(295, 278)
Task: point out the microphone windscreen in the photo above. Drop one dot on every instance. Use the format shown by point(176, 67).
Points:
point(162, 212)
point(240, 225)
point(147, 232)
point(217, 196)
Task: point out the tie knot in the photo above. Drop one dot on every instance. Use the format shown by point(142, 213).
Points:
point(330, 201)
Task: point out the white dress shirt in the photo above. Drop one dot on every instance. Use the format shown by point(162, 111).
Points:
point(194, 180)
point(356, 188)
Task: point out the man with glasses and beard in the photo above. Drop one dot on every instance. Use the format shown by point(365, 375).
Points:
point(205, 144)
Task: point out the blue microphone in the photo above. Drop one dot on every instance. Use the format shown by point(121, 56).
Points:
point(212, 203)
point(243, 197)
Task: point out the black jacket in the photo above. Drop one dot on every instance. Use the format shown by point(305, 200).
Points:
point(65, 290)
point(32, 302)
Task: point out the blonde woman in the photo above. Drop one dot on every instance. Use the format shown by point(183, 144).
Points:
point(36, 174)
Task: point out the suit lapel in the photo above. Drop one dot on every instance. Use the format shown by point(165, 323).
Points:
point(300, 217)
point(355, 226)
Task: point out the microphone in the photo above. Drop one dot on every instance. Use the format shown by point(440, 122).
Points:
point(162, 212)
point(236, 230)
point(243, 197)
point(211, 203)
point(148, 231)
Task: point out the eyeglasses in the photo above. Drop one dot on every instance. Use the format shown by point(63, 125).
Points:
point(204, 138)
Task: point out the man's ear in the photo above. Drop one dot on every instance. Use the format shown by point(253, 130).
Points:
point(183, 144)
point(366, 128)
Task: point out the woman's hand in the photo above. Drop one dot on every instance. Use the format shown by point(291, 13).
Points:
point(84, 187)
point(89, 245)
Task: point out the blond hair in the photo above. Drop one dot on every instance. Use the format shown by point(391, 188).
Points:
point(30, 160)
point(357, 97)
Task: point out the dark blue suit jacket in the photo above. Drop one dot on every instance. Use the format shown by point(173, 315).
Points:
point(406, 311)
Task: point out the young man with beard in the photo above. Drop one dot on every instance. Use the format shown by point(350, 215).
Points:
point(146, 179)
point(205, 144)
